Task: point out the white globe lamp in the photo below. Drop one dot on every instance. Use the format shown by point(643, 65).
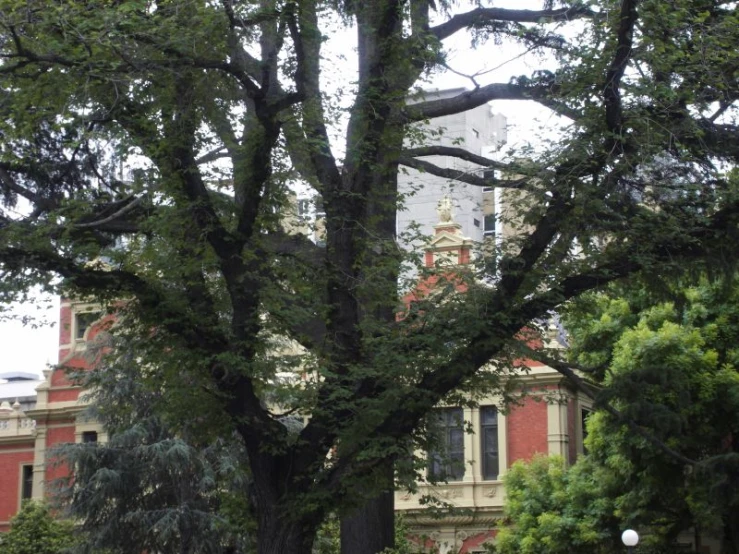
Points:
point(630, 538)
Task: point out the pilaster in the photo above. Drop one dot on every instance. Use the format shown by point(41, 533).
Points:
point(557, 435)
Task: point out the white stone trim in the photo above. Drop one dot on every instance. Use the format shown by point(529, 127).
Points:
point(39, 465)
point(82, 426)
point(558, 437)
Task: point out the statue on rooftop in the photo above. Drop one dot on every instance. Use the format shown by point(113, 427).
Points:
point(444, 209)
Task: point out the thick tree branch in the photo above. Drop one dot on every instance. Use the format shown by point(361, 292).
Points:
point(211, 156)
point(315, 142)
point(616, 69)
point(11, 186)
point(454, 152)
point(468, 177)
point(479, 96)
point(419, 18)
point(185, 59)
point(308, 330)
point(131, 204)
point(113, 283)
point(264, 16)
point(481, 17)
point(295, 246)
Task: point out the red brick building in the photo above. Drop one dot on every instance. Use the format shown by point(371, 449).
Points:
point(547, 420)
point(36, 415)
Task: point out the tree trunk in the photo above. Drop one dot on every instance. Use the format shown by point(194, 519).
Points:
point(281, 527)
point(730, 540)
point(371, 528)
point(278, 537)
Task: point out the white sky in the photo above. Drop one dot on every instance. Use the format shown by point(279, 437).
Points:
point(30, 347)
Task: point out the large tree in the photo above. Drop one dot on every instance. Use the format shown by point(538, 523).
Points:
point(221, 104)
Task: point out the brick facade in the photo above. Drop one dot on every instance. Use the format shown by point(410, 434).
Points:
point(12, 460)
point(527, 429)
point(27, 437)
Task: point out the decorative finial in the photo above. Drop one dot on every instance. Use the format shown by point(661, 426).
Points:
point(444, 209)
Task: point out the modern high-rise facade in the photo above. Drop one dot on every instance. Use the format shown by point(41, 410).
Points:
point(479, 131)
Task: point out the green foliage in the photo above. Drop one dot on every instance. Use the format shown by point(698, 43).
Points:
point(34, 530)
point(328, 538)
point(550, 509)
point(671, 370)
point(149, 488)
point(667, 362)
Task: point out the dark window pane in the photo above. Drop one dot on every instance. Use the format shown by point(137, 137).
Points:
point(436, 467)
point(303, 208)
point(490, 438)
point(489, 228)
point(490, 467)
point(488, 415)
point(90, 436)
point(83, 322)
point(27, 485)
point(448, 463)
point(456, 440)
point(489, 442)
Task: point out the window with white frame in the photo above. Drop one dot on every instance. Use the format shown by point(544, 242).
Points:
point(446, 463)
point(83, 321)
point(489, 442)
point(489, 225)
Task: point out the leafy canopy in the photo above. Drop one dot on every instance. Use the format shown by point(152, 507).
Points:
point(672, 370)
point(149, 488)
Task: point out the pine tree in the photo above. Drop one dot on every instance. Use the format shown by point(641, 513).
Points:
point(150, 488)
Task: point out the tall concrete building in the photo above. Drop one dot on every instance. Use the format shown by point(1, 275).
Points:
point(481, 132)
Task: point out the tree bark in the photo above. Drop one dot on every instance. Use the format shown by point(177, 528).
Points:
point(282, 527)
point(371, 528)
point(279, 537)
point(730, 539)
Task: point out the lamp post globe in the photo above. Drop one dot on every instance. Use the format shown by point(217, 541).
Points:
point(630, 538)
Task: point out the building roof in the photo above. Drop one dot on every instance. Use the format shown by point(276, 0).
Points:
point(18, 384)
